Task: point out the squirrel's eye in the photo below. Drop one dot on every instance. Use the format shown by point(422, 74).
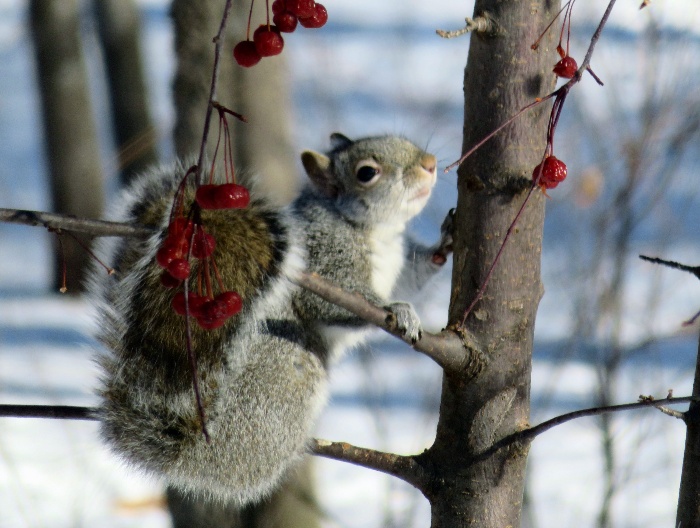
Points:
point(366, 173)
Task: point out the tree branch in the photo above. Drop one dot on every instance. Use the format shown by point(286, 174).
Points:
point(532, 432)
point(72, 223)
point(404, 467)
point(445, 348)
point(218, 42)
point(58, 412)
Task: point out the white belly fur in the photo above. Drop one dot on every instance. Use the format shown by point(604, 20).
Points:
point(387, 257)
point(387, 260)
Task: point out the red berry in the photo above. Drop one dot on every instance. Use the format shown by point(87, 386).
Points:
point(166, 254)
point(203, 245)
point(246, 54)
point(168, 280)
point(317, 20)
point(210, 324)
point(553, 172)
point(232, 196)
point(179, 268)
point(205, 196)
point(566, 67)
point(195, 302)
point(268, 42)
point(225, 196)
point(232, 301)
point(279, 6)
point(286, 22)
point(301, 8)
point(214, 310)
point(180, 227)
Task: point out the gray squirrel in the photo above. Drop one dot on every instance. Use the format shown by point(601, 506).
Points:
point(262, 375)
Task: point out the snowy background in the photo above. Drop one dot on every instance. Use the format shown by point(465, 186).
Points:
point(378, 67)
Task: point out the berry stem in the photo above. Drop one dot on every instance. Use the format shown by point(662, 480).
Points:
point(218, 276)
point(489, 273)
point(536, 44)
point(250, 17)
point(497, 130)
point(218, 42)
point(207, 279)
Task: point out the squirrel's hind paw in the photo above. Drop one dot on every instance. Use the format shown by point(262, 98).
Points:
point(406, 320)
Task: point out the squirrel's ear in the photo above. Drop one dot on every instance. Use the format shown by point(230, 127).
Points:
point(317, 167)
point(340, 141)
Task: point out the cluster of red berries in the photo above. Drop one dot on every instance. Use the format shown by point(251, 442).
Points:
point(187, 238)
point(551, 172)
point(210, 313)
point(267, 39)
point(224, 196)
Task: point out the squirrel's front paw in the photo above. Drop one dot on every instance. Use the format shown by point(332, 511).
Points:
point(444, 246)
point(407, 320)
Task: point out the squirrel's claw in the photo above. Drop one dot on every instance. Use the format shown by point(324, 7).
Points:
point(406, 320)
point(444, 246)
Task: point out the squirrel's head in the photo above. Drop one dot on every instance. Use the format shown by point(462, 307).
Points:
point(374, 179)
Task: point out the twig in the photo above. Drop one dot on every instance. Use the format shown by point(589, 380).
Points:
point(446, 349)
point(218, 43)
point(404, 467)
point(529, 434)
point(671, 412)
point(480, 24)
point(70, 223)
point(59, 412)
point(695, 270)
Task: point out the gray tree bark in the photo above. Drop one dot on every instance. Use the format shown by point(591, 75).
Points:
point(69, 129)
point(265, 146)
point(688, 513)
point(475, 484)
point(120, 32)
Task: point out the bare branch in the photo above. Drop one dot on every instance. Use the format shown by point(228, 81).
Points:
point(72, 223)
point(445, 348)
point(481, 24)
point(671, 412)
point(218, 43)
point(695, 270)
point(529, 434)
point(59, 412)
point(404, 467)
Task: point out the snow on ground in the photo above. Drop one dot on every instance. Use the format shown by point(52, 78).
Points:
point(56, 473)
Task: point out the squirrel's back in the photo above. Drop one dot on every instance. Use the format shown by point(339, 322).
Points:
point(248, 387)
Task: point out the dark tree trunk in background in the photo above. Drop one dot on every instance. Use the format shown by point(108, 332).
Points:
point(120, 32)
point(264, 146)
point(688, 514)
point(490, 399)
point(69, 129)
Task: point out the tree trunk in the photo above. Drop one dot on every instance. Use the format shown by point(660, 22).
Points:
point(688, 514)
point(487, 401)
point(120, 32)
point(264, 145)
point(69, 129)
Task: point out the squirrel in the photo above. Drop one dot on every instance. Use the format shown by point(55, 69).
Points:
point(263, 374)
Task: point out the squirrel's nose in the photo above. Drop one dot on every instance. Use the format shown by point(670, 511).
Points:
point(429, 163)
